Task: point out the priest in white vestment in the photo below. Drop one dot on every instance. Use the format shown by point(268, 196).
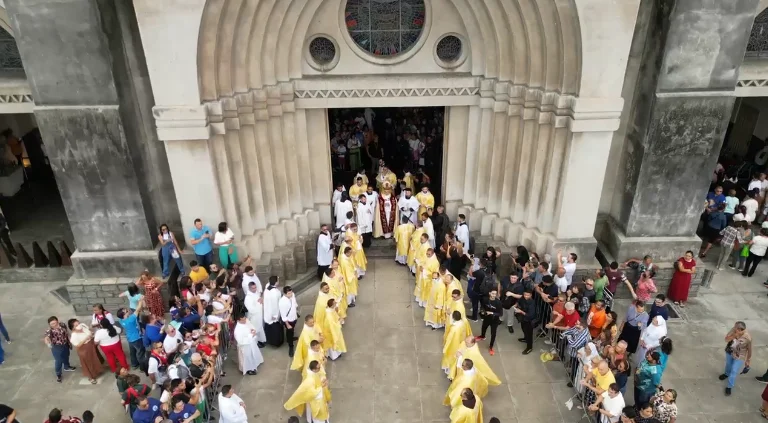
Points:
point(249, 357)
point(462, 232)
point(337, 194)
point(273, 329)
point(255, 315)
point(231, 406)
point(365, 212)
point(429, 229)
point(373, 196)
point(324, 251)
point(341, 209)
point(250, 276)
point(409, 206)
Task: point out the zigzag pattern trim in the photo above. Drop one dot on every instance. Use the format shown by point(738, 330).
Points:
point(752, 83)
point(15, 98)
point(388, 92)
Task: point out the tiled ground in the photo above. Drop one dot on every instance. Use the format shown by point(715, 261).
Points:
point(392, 372)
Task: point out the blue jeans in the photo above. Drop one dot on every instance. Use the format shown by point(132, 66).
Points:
point(60, 358)
point(205, 260)
point(732, 369)
point(137, 352)
point(167, 257)
point(2, 354)
point(4, 331)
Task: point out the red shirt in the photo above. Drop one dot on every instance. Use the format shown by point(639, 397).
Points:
point(205, 349)
point(570, 320)
point(67, 420)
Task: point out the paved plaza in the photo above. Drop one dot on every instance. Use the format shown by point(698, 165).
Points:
point(392, 371)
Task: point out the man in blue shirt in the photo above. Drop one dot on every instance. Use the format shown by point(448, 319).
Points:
point(149, 410)
point(200, 238)
point(130, 324)
point(715, 198)
point(189, 320)
point(181, 411)
point(153, 331)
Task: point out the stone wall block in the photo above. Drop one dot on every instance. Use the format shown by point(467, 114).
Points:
point(65, 253)
point(22, 256)
point(53, 255)
point(39, 257)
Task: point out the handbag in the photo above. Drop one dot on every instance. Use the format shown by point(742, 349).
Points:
point(744, 251)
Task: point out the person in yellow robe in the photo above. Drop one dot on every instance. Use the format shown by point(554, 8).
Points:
point(322, 299)
point(434, 312)
point(361, 261)
point(456, 303)
point(469, 410)
point(337, 290)
point(450, 281)
point(426, 200)
point(469, 379)
point(413, 248)
point(385, 175)
point(310, 332)
point(428, 264)
point(409, 181)
point(311, 396)
point(470, 350)
point(361, 175)
point(349, 273)
point(355, 190)
point(452, 340)
point(333, 337)
point(403, 240)
point(315, 353)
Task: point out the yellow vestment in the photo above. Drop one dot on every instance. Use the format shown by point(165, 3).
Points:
point(322, 303)
point(452, 306)
point(462, 414)
point(409, 181)
point(363, 177)
point(479, 364)
point(388, 177)
point(454, 337)
point(403, 238)
point(414, 246)
point(355, 191)
point(472, 380)
point(426, 267)
point(309, 392)
point(308, 334)
point(359, 254)
point(425, 201)
point(318, 356)
point(332, 334)
point(434, 311)
point(338, 292)
point(349, 273)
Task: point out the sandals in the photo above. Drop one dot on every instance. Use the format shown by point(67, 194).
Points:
point(93, 381)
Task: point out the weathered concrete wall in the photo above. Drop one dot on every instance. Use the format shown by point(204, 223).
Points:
point(85, 293)
point(681, 106)
point(89, 79)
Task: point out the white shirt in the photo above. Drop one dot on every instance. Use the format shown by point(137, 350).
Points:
point(230, 410)
point(570, 269)
point(247, 279)
point(462, 234)
point(562, 283)
point(755, 185)
point(102, 337)
point(758, 247)
point(614, 406)
point(221, 238)
point(171, 343)
point(108, 315)
point(288, 308)
point(324, 250)
point(160, 378)
point(213, 319)
point(751, 205)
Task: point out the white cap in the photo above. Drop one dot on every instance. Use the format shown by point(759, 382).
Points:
point(738, 217)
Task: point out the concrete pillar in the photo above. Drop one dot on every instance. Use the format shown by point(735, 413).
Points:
point(94, 130)
point(678, 124)
point(320, 165)
point(455, 146)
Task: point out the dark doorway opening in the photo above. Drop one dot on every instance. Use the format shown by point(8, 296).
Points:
point(400, 132)
point(34, 211)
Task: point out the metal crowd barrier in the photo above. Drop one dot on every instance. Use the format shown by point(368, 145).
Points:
point(566, 353)
point(211, 412)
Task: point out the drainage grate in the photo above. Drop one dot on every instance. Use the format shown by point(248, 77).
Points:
point(675, 314)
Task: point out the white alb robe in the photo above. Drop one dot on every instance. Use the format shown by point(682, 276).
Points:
point(337, 195)
point(247, 279)
point(248, 354)
point(462, 234)
point(429, 230)
point(324, 250)
point(271, 305)
point(230, 410)
point(373, 198)
point(341, 210)
point(365, 217)
point(409, 207)
point(255, 314)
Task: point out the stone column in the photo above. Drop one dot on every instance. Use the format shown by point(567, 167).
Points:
point(73, 51)
point(682, 105)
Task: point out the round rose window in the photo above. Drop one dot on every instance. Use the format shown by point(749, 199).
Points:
point(385, 27)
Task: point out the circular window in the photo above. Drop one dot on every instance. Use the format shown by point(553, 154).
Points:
point(449, 49)
point(385, 27)
point(322, 50)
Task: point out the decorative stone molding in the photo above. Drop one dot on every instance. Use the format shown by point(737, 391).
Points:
point(752, 83)
point(397, 92)
point(175, 123)
point(16, 98)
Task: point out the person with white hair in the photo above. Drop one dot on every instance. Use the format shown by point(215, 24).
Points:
point(231, 406)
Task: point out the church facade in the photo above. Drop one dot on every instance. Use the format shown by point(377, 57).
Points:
point(568, 122)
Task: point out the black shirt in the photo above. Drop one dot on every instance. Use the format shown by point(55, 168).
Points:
point(5, 412)
point(552, 290)
point(197, 371)
point(493, 306)
point(529, 308)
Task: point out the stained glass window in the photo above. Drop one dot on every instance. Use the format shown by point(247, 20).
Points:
point(449, 49)
point(322, 50)
point(758, 39)
point(10, 59)
point(385, 27)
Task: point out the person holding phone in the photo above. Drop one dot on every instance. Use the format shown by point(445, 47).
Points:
point(200, 238)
